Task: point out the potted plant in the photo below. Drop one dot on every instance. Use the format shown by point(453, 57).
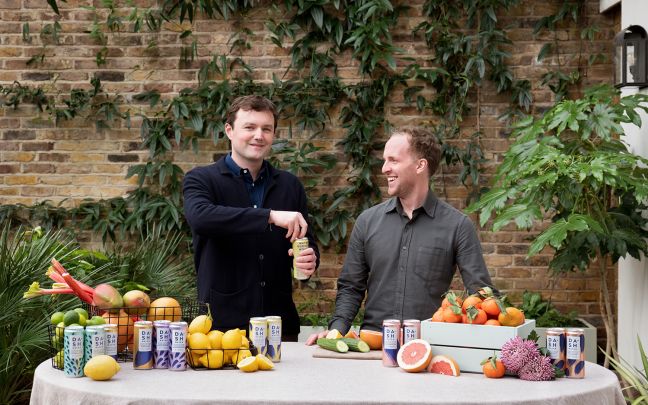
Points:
point(570, 167)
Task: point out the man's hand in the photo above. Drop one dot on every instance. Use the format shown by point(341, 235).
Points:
point(293, 221)
point(312, 339)
point(306, 261)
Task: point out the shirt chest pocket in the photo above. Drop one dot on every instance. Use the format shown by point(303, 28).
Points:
point(433, 265)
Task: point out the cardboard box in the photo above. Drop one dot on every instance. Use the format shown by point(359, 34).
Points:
point(470, 344)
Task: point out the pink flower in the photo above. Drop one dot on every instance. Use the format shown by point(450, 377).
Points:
point(517, 352)
point(537, 369)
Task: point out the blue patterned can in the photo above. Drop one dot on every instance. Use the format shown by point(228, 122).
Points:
point(575, 353)
point(391, 342)
point(73, 348)
point(112, 335)
point(557, 346)
point(274, 338)
point(411, 330)
point(161, 344)
point(95, 342)
point(178, 355)
point(259, 334)
point(143, 345)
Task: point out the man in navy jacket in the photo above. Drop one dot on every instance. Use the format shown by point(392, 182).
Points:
point(244, 213)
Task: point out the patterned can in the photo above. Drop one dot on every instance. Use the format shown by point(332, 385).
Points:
point(557, 346)
point(259, 334)
point(575, 353)
point(73, 348)
point(143, 345)
point(391, 342)
point(178, 355)
point(298, 246)
point(112, 334)
point(411, 330)
point(95, 342)
point(161, 344)
point(274, 338)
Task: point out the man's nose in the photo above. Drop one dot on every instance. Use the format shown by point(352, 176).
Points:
point(385, 168)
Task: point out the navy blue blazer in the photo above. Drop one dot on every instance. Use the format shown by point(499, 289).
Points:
point(241, 261)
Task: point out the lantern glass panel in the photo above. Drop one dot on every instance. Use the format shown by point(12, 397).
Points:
point(618, 65)
point(631, 60)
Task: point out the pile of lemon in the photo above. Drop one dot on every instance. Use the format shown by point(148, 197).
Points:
point(214, 349)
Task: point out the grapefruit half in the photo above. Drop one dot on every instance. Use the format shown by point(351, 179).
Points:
point(414, 356)
point(446, 365)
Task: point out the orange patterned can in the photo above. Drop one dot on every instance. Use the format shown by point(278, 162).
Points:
point(557, 346)
point(575, 353)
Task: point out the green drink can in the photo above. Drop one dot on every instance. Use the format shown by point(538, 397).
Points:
point(298, 246)
point(95, 341)
point(73, 348)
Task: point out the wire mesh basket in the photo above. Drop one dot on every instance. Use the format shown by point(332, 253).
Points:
point(218, 359)
point(125, 318)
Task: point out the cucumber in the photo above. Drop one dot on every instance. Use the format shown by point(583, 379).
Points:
point(336, 345)
point(356, 345)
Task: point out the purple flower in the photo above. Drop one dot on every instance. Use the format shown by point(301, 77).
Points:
point(517, 352)
point(537, 369)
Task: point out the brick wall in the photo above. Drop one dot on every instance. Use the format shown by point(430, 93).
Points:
point(73, 160)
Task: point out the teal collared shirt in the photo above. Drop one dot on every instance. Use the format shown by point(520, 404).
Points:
point(404, 266)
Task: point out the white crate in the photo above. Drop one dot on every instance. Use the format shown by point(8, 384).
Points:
point(469, 344)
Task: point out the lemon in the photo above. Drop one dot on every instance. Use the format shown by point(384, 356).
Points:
point(215, 339)
point(58, 359)
point(101, 368)
point(57, 342)
point(334, 334)
point(231, 339)
point(240, 355)
point(201, 323)
point(243, 332)
point(194, 359)
point(248, 364)
point(245, 343)
point(264, 362)
point(60, 330)
point(57, 317)
point(82, 320)
point(213, 359)
point(82, 311)
point(199, 343)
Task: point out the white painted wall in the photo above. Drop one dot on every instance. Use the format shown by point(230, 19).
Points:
point(633, 274)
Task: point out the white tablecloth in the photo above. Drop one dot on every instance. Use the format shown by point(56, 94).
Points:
point(300, 378)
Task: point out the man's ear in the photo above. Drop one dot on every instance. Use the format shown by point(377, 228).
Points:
point(228, 131)
point(421, 166)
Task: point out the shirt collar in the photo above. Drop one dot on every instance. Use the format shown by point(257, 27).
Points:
point(237, 170)
point(429, 205)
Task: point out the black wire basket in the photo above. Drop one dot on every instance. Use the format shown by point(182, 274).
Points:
point(125, 319)
point(218, 359)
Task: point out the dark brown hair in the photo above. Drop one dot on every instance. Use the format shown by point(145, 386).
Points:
point(250, 103)
point(423, 144)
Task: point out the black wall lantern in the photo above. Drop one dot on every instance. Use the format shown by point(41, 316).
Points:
point(630, 57)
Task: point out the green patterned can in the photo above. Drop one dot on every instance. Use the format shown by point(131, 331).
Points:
point(95, 341)
point(73, 348)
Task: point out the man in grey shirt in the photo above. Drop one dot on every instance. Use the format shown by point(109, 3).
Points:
point(404, 251)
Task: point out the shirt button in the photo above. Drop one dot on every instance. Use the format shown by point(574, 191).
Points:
point(255, 206)
point(245, 171)
point(262, 283)
point(404, 247)
point(260, 257)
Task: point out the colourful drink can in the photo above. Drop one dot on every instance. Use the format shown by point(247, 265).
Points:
point(391, 342)
point(575, 353)
point(73, 350)
point(298, 246)
point(411, 330)
point(112, 335)
point(557, 346)
point(161, 344)
point(95, 342)
point(274, 338)
point(259, 334)
point(143, 345)
point(178, 354)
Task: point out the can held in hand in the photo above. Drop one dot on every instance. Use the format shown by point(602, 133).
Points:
point(161, 344)
point(298, 246)
point(259, 334)
point(143, 345)
point(73, 348)
point(178, 357)
point(411, 330)
point(95, 341)
point(391, 342)
point(112, 335)
point(575, 353)
point(274, 338)
point(557, 346)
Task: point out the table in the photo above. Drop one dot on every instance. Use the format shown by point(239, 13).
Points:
point(300, 378)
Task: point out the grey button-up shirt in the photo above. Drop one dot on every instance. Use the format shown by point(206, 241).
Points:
point(404, 265)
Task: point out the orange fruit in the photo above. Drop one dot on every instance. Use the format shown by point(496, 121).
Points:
point(165, 308)
point(441, 364)
point(512, 317)
point(438, 315)
point(472, 301)
point(125, 327)
point(372, 338)
point(450, 316)
point(351, 334)
point(490, 306)
point(492, 367)
point(479, 319)
point(448, 298)
point(493, 322)
point(414, 356)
